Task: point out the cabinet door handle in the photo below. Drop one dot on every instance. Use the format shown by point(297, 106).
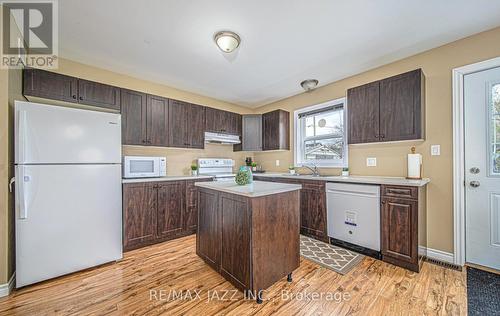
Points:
point(382, 136)
point(81, 98)
point(377, 136)
point(74, 96)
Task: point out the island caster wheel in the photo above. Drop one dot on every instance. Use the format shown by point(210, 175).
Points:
point(289, 277)
point(259, 297)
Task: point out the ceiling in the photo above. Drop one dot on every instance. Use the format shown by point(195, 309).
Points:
point(283, 41)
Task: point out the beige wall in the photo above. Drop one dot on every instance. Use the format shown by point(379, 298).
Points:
point(437, 65)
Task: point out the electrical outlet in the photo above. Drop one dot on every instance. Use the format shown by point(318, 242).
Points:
point(277, 163)
point(435, 150)
point(371, 162)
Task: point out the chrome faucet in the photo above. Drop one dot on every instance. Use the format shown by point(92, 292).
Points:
point(314, 169)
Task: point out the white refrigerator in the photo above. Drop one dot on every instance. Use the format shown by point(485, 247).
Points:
point(68, 190)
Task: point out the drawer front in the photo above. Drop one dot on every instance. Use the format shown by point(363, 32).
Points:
point(400, 191)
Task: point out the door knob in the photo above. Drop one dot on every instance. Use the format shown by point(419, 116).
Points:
point(475, 184)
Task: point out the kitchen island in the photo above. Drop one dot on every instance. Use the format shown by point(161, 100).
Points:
point(249, 234)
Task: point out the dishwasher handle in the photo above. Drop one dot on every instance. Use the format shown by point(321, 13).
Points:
point(354, 193)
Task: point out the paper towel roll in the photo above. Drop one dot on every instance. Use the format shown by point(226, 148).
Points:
point(414, 166)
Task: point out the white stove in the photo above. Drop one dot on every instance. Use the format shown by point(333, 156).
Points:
point(220, 168)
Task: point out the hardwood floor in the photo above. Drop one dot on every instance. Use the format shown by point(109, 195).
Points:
point(141, 283)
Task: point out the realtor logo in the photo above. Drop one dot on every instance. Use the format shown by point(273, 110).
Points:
point(29, 34)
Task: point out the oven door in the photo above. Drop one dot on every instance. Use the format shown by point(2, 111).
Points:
point(141, 167)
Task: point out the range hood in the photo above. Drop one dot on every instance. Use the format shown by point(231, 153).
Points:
point(225, 139)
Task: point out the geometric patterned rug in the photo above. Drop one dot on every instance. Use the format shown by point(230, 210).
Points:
point(332, 257)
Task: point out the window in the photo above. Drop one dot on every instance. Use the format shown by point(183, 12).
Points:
point(320, 135)
point(495, 130)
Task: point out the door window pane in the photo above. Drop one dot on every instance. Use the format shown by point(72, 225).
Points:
point(495, 130)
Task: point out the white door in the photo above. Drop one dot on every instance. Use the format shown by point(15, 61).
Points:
point(55, 134)
point(482, 167)
point(68, 218)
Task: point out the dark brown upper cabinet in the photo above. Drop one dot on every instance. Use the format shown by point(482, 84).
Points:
point(276, 130)
point(134, 113)
point(49, 85)
point(98, 94)
point(196, 123)
point(402, 106)
point(157, 121)
point(391, 109)
point(363, 113)
point(219, 121)
point(186, 122)
point(144, 119)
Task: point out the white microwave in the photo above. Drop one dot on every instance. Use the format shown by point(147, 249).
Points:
point(144, 167)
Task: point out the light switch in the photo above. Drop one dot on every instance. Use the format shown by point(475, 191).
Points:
point(277, 163)
point(371, 162)
point(435, 150)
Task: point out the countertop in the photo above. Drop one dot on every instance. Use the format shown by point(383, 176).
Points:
point(352, 179)
point(161, 179)
point(255, 189)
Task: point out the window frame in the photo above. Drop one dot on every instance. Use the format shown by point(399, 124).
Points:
point(299, 138)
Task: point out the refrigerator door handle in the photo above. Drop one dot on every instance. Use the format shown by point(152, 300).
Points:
point(23, 205)
point(11, 182)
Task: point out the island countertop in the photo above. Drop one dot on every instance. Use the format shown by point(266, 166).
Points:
point(255, 189)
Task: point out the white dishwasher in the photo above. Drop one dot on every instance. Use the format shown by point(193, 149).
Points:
point(354, 213)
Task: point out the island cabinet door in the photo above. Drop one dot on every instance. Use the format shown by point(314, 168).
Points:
point(171, 204)
point(235, 241)
point(139, 214)
point(208, 234)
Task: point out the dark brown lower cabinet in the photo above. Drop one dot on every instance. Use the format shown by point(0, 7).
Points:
point(251, 242)
point(312, 206)
point(158, 211)
point(171, 208)
point(139, 214)
point(403, 226)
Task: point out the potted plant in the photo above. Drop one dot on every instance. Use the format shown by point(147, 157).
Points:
point(291, 169)
point(194, 170)
point(254, 166)
point(345, 172)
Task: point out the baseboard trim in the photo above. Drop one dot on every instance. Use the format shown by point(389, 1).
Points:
point(6, 288)
point(437, 254)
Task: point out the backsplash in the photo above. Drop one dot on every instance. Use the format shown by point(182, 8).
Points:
point(179, 160)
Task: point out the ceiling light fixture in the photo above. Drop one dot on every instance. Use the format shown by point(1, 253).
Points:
point(227, 41)
point(309, 84)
